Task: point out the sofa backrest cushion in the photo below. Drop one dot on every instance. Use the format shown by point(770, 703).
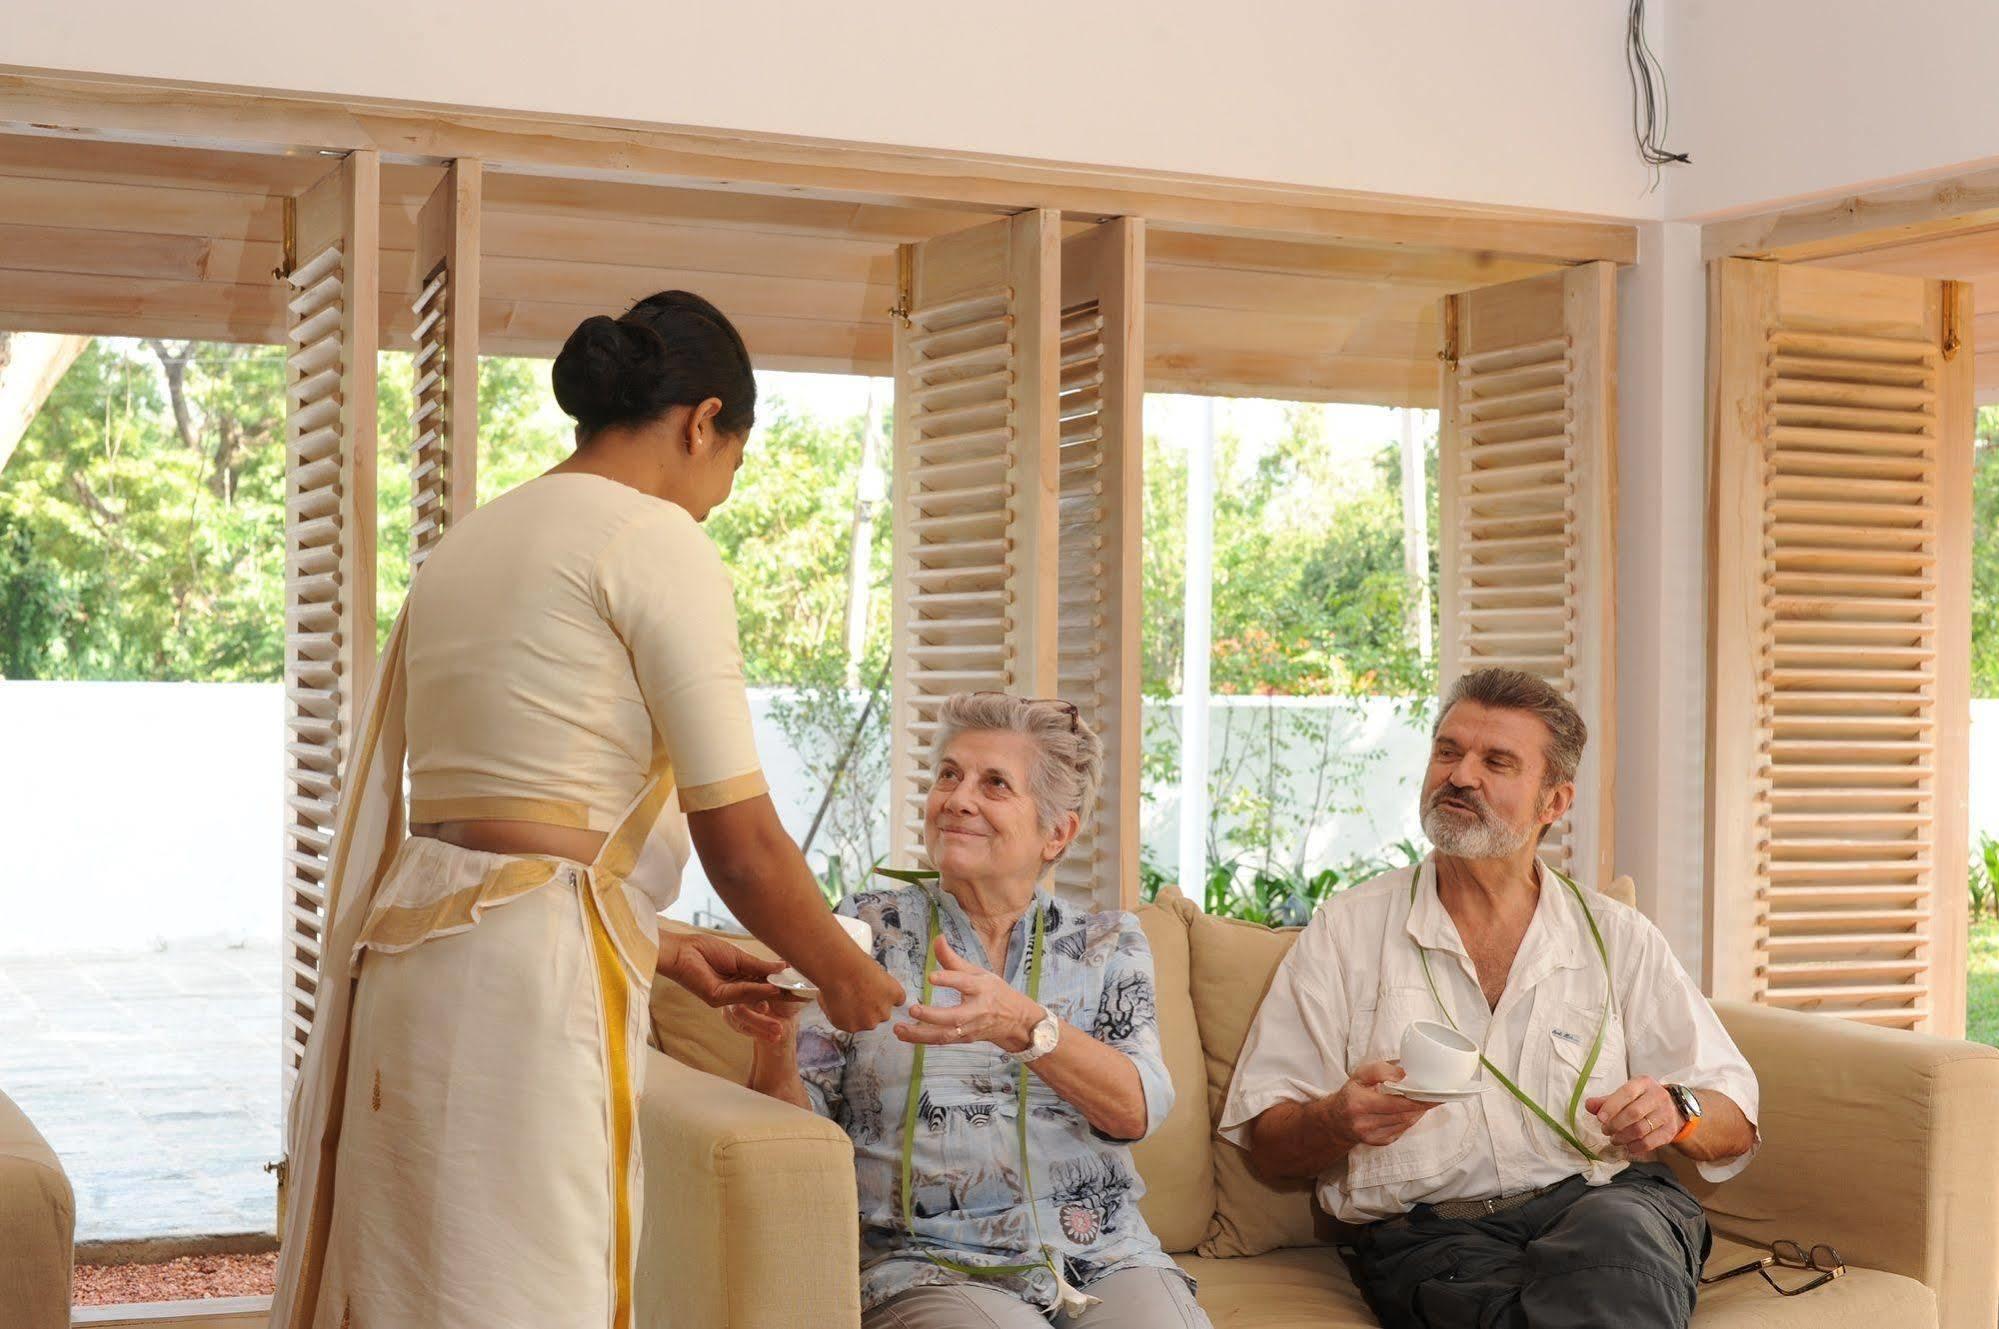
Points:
point(1177, 1161)
point(1233, 963)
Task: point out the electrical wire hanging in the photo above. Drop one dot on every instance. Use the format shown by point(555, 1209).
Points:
point(1648, 97)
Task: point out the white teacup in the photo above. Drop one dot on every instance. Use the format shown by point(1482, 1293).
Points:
point(1436, 1056)
point(859, 929)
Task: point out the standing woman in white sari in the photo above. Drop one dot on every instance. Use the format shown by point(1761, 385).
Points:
point(567, 685)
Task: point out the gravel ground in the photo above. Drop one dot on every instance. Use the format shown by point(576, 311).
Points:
point(187, 1279)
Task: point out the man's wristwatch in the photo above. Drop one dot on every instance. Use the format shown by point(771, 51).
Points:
point(1689, 1104)
point(1042, 1041)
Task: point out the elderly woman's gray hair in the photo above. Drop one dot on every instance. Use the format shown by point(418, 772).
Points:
point(1068, 755)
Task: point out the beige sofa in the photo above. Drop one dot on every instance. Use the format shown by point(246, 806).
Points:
point(37, 1227)
point(1875, 1140)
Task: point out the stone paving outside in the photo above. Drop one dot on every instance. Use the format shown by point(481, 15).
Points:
point(155, 1078)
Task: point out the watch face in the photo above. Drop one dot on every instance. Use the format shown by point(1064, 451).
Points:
point(1689, 1105)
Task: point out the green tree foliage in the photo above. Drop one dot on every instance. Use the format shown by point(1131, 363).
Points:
point(785, 533)
point(141, 519)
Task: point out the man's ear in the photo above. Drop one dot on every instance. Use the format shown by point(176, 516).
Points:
point(1560, 799)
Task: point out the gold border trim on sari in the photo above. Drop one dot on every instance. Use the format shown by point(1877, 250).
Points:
point(723, 793)
point(399, 927)
point(544, 811)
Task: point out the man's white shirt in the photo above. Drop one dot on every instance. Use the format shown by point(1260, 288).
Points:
point(1354, 983)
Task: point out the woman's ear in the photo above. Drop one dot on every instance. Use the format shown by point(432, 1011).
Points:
point(1061, 837)
point(701, 431)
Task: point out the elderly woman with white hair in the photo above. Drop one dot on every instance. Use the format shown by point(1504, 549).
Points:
point(1009, 1095)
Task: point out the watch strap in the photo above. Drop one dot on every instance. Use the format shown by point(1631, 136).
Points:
point(1689, 1107)
point(1034, 1051)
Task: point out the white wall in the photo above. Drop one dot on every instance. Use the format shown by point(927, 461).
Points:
point(137, 815)
point(1521, 103)
point(1783, 98)
point(1661, 587)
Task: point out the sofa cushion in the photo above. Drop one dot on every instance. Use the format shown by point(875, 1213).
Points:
point(1863, 1298)
point(1311, 1289)
point(1233, 963)
point(1177, 1161)
point(1296, 1287)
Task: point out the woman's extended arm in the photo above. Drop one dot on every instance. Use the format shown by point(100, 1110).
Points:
point(759, 873)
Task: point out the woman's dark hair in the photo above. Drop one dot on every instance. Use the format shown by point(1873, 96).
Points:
point(671, 349)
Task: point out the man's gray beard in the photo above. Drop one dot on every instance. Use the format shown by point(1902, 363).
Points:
point(1484, 838)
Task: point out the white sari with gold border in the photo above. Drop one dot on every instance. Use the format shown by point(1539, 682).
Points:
point(462, 1142)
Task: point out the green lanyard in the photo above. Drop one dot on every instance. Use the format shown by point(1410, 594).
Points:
point(909, 1112)
point(1568, 1132)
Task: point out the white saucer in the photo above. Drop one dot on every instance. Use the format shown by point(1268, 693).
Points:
point(1416, 1092)
point(797, 984)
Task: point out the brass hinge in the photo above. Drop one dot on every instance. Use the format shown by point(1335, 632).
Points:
point(288, 264)
point(1449, 355)
point(905, 279)
point(1952, 313)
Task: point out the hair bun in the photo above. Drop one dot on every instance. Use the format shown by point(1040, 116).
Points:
point(606, 371)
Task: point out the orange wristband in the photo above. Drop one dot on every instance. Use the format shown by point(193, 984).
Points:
point(1693, 1124)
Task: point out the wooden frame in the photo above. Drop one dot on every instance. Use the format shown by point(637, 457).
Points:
point(975, 493)
point(154, 111)
point(1853, 223)
point(1101, 520)
point(1527, 453)
point(444, 454)
point(1840, 422)
point(330, 527)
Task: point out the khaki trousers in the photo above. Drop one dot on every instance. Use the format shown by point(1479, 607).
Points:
point(1134, 1299)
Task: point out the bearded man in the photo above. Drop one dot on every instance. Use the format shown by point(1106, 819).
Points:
point(1498, 1203)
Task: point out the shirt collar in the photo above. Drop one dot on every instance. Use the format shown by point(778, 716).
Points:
point(1554, 937)
point(954, 913)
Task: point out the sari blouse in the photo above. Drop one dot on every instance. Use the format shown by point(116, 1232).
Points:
point(565, 641)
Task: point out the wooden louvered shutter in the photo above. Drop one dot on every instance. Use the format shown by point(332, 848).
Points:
point(975, 494)
point(1102, 442)
point(1841, 417)
point(445, 396)
point(1527, 491)
point(333, 318)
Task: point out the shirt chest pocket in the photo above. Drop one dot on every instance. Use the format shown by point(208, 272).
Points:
point(1571, 1033)
point(1441, 1139)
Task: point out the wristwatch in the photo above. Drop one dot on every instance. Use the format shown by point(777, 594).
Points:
point(1042, 1041)
point(1689, 1104)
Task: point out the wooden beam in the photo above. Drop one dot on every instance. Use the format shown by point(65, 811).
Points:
point(130, 110)
point(31, 364)
point(1858, 222)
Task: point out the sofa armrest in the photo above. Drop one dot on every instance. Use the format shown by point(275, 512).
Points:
point(37, 1226)
point(750, 1220)
point(1877, 1141)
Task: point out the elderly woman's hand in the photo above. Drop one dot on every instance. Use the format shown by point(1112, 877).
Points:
point(989, 1009)
point(774, 1022)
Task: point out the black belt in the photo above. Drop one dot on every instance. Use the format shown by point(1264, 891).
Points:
point(1498, 1204)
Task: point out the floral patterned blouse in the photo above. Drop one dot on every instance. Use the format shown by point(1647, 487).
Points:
point(969, 1202)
